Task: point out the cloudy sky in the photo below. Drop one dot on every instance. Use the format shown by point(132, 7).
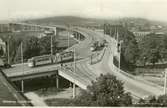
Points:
point(18, 9)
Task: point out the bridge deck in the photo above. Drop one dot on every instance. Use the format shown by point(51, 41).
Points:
point(20, 70)
point(80, 77)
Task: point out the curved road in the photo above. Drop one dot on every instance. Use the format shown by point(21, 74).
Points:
point(85, 72)
point(138, 87)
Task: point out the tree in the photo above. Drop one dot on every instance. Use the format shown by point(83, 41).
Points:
point(14, 44)
point(153, 48)
point(1, 51)
point(129, 49)
point(31, 47)
point(160, 101)
point(163, 50)
point(105, 91)
point(131, 52)
point(45, 45)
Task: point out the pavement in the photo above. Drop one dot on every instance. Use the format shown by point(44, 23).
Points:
point(35, 99)
point(86, 73)
point(137, 86)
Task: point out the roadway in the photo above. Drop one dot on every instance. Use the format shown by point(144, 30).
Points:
point(23, 69)
point(82, 51)
point(85, 72)
point(138, 87)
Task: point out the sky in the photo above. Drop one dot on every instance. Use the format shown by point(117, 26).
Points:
point(21, 9)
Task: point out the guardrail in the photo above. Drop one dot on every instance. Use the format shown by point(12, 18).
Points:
point(72, 79)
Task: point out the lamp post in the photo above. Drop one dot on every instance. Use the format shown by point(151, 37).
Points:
point(68, 35)
point(22, 60)
point(8, 46)
point(74, 86)
point(91, 57)
point(119, 50)
point(165, 81)
point(51, 44)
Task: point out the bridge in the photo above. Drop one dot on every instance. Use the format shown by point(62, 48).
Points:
point(85, 72)
point(21, 72)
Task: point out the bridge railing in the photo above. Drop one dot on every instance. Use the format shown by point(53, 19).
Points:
point(73, 77)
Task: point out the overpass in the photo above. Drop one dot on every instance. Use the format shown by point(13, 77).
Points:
point(86, 73)
point(21, 72)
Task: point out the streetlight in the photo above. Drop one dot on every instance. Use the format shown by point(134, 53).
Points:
point(119, 51)
point(68, 35)
point(22, 60)
point(91, 57)
point(74, 89)
point(165, 81)
point(51, 44)
point(8, 49)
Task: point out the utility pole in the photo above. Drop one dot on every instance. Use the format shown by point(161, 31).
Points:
point(74, 86)
point(117, 36)
point(119, 66)
point(120, 45)
point(165, 81)
point(8, 51)
point(22, 60)
point(51, 44)
point(57, 80)
point(68, 35)
point(104, 29)
point(119, 48)
point(91, 57)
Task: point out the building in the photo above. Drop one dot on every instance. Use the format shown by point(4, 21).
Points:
point(140, 35)
point(5, 27)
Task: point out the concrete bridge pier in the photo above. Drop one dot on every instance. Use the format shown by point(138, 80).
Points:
point(74, 91)
point(22, 86)
point(79, 36)
point(57, 81)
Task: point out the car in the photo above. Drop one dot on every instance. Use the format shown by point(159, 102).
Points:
point(6, 65)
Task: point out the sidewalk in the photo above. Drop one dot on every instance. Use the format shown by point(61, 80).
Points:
point(35, 99)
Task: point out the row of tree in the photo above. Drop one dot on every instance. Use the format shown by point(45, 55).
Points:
point(153, 48)
point(129, 46)
point(32, 46)
point(152, 101)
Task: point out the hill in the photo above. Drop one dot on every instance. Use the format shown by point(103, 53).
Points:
point(74, 20)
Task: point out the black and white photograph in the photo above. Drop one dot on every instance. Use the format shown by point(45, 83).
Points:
point(83, 53)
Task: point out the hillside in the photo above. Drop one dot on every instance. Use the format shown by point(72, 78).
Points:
point(61, 20)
